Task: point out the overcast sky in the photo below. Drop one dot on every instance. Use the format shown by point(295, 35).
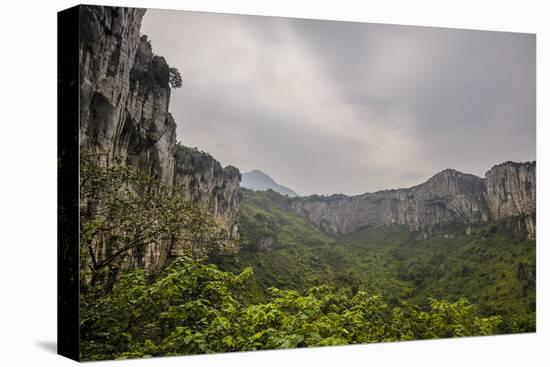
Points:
point(340, 107)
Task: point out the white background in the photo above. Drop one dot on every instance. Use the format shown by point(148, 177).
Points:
point(28, 182)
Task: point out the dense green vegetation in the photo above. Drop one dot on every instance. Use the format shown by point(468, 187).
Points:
point(291, 285)
point(195, 308)
point(493, 265)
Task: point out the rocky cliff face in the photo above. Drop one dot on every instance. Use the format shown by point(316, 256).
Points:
point(124, 92)
point(124, 104)
point(446, 198)
point(210, 185)
point(449, 197)
point(511, 192)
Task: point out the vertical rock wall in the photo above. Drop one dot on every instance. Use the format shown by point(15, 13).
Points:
point(124, 117)
point(511, 192)
point(450, 197)
point(124, 92)
point(210, 185)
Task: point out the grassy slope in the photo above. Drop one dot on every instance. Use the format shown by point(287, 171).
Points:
point(483, 266)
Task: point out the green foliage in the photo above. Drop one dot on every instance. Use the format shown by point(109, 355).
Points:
point(304, 288)
point(180, 306)
point(195, 308)
point(492, 266)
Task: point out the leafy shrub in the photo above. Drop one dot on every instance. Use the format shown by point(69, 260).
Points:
point(196, 308)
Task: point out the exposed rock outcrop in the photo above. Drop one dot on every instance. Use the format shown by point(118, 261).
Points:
point(210, 185)
point(450, 197)
point(124, 116)
point(124, 92)
point(511, 192)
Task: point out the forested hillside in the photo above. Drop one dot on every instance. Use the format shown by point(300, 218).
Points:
point(492, 265)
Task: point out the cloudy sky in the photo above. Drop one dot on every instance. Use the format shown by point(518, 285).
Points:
point(340, 107)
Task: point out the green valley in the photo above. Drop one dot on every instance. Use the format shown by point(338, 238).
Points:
point(491, 264)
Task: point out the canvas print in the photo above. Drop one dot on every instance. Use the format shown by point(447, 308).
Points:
point(248, 183)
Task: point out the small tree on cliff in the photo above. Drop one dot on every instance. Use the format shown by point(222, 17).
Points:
point(175, 78)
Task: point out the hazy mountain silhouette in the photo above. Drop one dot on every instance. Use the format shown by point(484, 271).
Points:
point(259, 181)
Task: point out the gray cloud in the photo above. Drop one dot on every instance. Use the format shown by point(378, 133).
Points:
point(329, 107)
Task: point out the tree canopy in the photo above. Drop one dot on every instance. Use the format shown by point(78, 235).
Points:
point(195, 308)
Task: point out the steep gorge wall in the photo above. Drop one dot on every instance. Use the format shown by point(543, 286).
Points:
point(446, 198)
point(210, 185)
point(124, 116)
point(449, 197)
point(511, 192)
point(124, 92)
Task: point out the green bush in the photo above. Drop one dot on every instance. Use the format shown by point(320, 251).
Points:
point(195, 308)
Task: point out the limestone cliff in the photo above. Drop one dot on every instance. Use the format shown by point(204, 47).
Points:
point(124, 116)
point(511, 192)
point(124, 92)
point(446, 198)
point(450, 197)
point(210, 185)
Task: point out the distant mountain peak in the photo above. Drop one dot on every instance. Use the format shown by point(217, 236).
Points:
point(260, 181)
